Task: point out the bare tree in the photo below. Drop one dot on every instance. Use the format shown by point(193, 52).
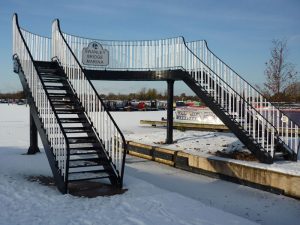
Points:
point(279, 73)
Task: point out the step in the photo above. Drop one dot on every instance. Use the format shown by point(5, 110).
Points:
point(82, 163)
point(68, 111)
point(78, 129)
point(48, 87)
point(58, 102)
point(91, 156)
point(80, 140)
point(281, 154)
point(44, 70)
point(91, 148)
point(88, 175)
point(64, 103)
point(60, 95)
point(46, 64)
point(53, 76)
point(73, 120)
point(55, 80)
point(80, 153)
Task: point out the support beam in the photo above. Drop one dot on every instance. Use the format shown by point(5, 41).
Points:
point(33, 148)
point(169, 139)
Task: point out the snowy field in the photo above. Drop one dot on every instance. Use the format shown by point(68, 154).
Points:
point(157, 194)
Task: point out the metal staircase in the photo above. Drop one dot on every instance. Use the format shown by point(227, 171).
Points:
point(80, 138)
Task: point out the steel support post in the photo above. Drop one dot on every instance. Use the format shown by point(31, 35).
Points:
point(169, 139)
point(33, 148)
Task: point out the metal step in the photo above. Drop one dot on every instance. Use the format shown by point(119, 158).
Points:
point(43, 70)
point(91, 148)
point(60, 95)
point(48, 87)
point(83, 163)
point(69, 111)
point(88, 175)
point(73, 120)
point(78, 129)
point(79, 140)
point(61, 101)
point(79, 153)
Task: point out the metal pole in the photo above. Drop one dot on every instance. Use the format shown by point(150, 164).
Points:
point(169, 139)
point(33, 148)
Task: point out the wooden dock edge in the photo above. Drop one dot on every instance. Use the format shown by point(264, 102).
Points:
point(264, 179)
point(188, 126)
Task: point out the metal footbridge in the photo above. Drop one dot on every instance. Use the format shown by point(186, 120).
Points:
point(81, 139)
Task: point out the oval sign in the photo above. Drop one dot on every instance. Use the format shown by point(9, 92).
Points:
point(95, 55)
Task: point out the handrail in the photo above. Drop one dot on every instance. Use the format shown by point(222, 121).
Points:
point(57, 28)
point(253, 87)
point(41, 103)
point(39, 46)
point(274, 114)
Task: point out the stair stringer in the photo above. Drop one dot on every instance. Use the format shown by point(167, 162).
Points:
point(61, 184)
point(249, 142)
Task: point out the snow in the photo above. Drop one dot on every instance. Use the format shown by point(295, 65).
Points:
point(202, 143)
point(157, 194)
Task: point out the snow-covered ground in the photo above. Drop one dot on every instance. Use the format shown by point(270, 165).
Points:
point(203, 143)
point(157, 194)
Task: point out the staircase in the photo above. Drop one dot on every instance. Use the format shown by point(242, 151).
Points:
point(80, 138)
point(87, 157)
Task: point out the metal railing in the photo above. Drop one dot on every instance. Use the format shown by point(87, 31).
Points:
point(132, 55)
point(109, 133)
point(39, 46)
point(47, 115)
point(287, 128)
point(173, 54)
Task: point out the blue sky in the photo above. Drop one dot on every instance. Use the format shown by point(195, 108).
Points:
point(240, 32)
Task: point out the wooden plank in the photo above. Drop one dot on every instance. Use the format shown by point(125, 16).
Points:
point(187, 126)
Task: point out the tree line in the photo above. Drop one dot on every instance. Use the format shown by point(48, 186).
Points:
point(143, 94)
point(148, 94)
point(13, 95)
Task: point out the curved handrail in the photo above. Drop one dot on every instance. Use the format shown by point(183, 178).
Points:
point(15, 18)
point(206, 45)
point(98, 96)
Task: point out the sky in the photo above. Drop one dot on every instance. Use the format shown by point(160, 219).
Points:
point(239, 32)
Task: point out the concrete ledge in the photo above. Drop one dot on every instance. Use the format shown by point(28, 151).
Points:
point(264, 179)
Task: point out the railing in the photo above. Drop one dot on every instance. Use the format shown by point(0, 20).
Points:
point(288, 129)
point(47, 115)
point(109, 133)
point(133, 55)
point(39, 46)
point(171, 54)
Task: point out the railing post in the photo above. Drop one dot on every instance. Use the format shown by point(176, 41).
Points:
point(33, 148)
point(169, 139)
